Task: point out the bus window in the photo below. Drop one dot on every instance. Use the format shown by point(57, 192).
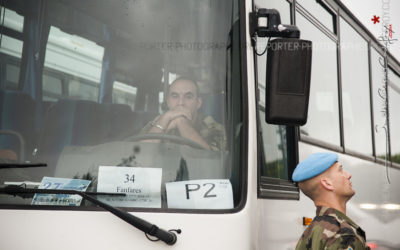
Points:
point(321, 12)
point(11, 46)
point(13, 20)
point(12, 76)
point(355, 90)
point(77, 62)
point(273, 162)
point(82, 89)
point(378, 97)
point(394, 121)
point(124, 94)
point(323, 106)
point(52, 88)
point(275, 150)
point(10, 52)
point(10, 49)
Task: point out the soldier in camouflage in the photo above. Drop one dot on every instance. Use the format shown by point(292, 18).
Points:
point(322, 178)
point(182, 117)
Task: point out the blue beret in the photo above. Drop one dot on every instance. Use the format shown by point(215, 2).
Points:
point(313, 166)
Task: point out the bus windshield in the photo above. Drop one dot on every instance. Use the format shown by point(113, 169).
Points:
point(133, 97)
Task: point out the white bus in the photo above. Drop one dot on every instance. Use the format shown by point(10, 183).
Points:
point(79, 79)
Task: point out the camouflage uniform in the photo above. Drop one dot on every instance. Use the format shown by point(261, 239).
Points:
point(331, 229)
point(210, 130)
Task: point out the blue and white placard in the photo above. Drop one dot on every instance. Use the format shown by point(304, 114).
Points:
point(60, 199)
point(200, 194)
point(142, 186)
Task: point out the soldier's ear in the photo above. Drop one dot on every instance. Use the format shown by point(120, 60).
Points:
point(327, 184)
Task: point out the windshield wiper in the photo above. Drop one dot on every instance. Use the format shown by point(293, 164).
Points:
point(21, 165)
point(143, 225)
point(26, 193)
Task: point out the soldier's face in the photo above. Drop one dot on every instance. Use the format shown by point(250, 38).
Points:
point(341, 181)
point(184, 93)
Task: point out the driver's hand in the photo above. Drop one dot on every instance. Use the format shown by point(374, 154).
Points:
point(169, 116)
point(186, 130)
point(178, 122)
point(177, 112)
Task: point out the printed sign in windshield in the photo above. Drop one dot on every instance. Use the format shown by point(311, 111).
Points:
point(142, 186)
point(60, 199)
point(200, 194)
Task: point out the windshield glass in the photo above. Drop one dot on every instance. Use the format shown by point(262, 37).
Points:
point(129, 96)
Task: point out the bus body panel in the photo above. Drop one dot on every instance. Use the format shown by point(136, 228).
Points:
point(370, 207)
point(51, 229)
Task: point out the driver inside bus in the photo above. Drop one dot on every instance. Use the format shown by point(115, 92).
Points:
point(184, 119)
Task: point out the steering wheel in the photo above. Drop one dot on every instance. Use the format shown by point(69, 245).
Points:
point(169, 137)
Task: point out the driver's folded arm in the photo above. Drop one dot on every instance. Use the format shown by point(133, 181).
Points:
point(185, 129)
point(205, 131)
point(183, 119)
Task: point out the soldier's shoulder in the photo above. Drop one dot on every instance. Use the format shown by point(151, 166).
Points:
point(347, 237)
point(213, 132)
point(333, 226)
point(326, 222)
point(321, 230)
point(211, 123)
point(330, 232)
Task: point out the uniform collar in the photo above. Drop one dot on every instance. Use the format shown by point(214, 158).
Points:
point(340, 217)
point(328, 211)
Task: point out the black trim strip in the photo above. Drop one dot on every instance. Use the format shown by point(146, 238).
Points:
point(388, 115)
point(395, 165)
point(307, 15)
point(339, 78)
point(394, 66)
point(371, 100)
point(245, 104)
point(332, 11)
point(12, 33)
point(360, 155)
point(316, 142)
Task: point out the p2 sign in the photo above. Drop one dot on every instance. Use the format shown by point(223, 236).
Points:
point(200, 194)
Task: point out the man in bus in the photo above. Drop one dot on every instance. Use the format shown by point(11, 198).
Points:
point(183, 119)
point(322, 178)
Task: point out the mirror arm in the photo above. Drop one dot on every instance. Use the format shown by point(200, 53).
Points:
point(267, 23)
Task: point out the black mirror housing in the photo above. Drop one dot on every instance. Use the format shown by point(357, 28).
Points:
point(288, 81)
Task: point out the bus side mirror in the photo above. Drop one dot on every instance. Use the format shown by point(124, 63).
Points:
point(288, 81)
